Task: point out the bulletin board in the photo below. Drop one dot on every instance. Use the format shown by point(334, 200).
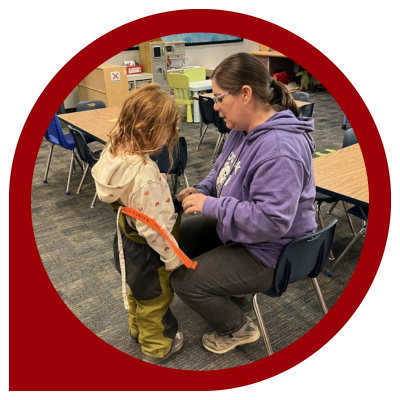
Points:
point(198, 39)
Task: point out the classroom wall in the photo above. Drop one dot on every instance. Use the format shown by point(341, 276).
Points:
point(205, 56)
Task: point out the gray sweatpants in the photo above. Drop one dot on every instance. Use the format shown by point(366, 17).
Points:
point(222, 271)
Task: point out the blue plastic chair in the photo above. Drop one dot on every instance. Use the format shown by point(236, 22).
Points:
point(344, 126)
point(55, 136)
point(302, 96)
point(303, 257)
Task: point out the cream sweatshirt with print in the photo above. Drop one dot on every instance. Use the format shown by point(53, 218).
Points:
point(140, 185)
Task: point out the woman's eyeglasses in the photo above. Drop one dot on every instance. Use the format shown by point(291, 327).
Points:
point(217, 99)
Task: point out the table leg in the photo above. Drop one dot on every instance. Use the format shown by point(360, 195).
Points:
point(196, 109)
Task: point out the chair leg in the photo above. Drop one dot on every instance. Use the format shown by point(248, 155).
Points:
point(331, 256)
point(260, 320)
point(175, 183)
point(203, 132)
point(46, 173)
point(320, 297)
point(332, 207)
point(329, 272)
point(346, 209)
point(83, 179)
point(218, 146)
point(186, 180)
point(189, 115)
point(94, 200)
point(79, 162)
point(70, 172)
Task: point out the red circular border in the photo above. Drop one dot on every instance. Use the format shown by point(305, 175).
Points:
point(49, 348)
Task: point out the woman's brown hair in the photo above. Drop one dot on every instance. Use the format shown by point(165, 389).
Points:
point(242, 69)
point(149, 120)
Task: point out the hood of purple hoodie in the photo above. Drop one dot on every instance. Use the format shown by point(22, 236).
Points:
point(286, 121)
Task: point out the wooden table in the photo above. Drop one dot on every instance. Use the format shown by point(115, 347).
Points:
point(96, 123)
point(342, 175)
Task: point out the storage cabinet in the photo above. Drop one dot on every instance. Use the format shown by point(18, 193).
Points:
point(138, 80)
point(108, 83)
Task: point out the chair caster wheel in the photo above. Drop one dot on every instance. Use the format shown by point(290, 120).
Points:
point(67, 193)
point(329, 273)
point(44, 180)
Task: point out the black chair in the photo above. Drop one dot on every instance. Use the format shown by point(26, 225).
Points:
point(303, 257)
point(210, 116)
point(301, 96)
point(180, 160)
point(349, 139)
point(87, 106)
point(306, 110)
point(86, 155)
point(359, 212)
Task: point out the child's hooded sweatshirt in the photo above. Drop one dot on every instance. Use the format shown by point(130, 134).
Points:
point(138, 183)
point(262, 186)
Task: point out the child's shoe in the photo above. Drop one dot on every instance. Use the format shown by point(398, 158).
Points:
point(134, 336)
point(176, 346)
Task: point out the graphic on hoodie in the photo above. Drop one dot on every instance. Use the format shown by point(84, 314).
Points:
point(225, 174)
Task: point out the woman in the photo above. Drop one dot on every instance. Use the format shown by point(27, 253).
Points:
point(258, 197)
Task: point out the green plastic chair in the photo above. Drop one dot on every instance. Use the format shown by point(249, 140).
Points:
point(196, 74)
point(179, 83)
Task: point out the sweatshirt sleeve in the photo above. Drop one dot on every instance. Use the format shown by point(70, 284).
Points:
point(275, 190)
point(208, 185)
point(151, 196)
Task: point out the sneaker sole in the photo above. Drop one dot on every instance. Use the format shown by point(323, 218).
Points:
point(251, 339)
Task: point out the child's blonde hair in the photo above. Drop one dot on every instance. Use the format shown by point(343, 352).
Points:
point(149, 120)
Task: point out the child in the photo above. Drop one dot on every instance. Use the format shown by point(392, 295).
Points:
point(126, 176)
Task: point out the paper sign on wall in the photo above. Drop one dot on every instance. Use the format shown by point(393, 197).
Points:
point(115, 76)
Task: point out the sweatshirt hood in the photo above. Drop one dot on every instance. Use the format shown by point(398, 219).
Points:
point(286, 121)
point(120, 170)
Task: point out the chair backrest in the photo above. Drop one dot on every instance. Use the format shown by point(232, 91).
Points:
point(349, 138)
point(82, 147)
point(304, 256)
point(55, 134)
point(90, 105)
point(210, 116)
point(196, 74)
point(302, 96)
point(179, 155)
point(207, 109)
point(220, 124)
point(306, 110)
point(179, 83)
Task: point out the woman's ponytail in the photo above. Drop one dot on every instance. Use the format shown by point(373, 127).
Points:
point(282, 98)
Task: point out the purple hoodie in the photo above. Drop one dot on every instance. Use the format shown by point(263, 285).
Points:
point(262, 188)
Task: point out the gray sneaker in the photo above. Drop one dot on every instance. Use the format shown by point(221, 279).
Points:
point(176, 346)
point(215, 343)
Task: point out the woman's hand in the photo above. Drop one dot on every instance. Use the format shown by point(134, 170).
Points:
point(186, 192)
point(193, 203)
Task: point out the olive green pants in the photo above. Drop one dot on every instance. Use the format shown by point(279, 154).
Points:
point(147, 318)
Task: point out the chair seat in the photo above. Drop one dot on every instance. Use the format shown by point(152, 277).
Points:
point(355, 210)
point(324, 198)
point(69, 141)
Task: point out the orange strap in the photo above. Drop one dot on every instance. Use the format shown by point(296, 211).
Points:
point(187, 262)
